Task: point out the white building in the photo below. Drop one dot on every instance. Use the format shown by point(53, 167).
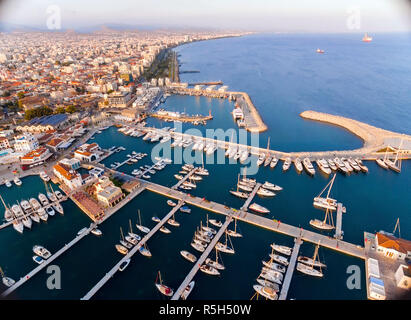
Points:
point(67, 176)
point(25, 142)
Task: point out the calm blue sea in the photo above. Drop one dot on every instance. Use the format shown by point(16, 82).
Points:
point(284, 76)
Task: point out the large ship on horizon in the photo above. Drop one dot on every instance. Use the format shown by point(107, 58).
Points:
point(366, 38)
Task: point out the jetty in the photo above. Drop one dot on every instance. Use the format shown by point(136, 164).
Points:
point(136, 248)
point(202, 258)
point(171, 116)
point(187, 176)
point(250, 197)
point(338, 228)
point(290, 269)
point(47, 262)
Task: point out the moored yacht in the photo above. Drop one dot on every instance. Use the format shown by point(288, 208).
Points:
point(323, 165)
point(17, 181)
point(257, 208)
point(298, 165)
point(43, 199)
point(188, 256)
point(382, 163)
point(308, 166)
point(303, 268)
point(287, 164)
point(41, 251)
point(282, 249)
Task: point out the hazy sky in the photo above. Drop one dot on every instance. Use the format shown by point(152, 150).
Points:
point(259, 15)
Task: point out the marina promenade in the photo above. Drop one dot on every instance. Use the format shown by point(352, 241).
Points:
point(136, 248)
point(48, 261)
point(200, 260)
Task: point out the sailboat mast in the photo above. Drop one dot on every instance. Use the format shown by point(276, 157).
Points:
point(332, 182)
point(121, 232)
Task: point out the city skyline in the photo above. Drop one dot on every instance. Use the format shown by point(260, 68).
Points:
point(261, 15)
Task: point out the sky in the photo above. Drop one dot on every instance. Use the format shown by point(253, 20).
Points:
point(253, 15)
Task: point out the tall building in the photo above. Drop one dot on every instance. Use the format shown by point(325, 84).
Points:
point(25, 142)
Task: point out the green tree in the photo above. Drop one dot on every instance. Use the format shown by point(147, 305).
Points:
point(71, 109)
point(38, 112)
point(60, 110)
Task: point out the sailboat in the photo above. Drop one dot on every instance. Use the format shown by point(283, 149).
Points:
point(214, 263)
point(238, 193)
point(140, 226)
point(173, 222)
point(309, 268)
point(326, 203)
point(234, 233)
point(8, 282)
point(123, 242)
point(267, 160)
point(131, 233)
point(396, 163)
point(25, 220)
point(144, 250)
point(224, 247)
point(187, 290)
point(165, 290)
point(8, 215)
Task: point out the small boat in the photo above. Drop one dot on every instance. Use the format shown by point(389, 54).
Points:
point(58, 207)
point(124, 265)
point(171, 203)
point(178, 176)
point(185, 209)
point(163, 229)
point(266, 292)
point(245, 187)
point(43, 199)
point(7, 281)
point(279, 259)
point(50, 211)
point(260, 159)
point(121, 249)
point(239, 194)
point(96, 232)
point(131, 240)
point(209, 270)
point(187, 290)
point(197, 246)
point(165, 290)
point(308, 166)
point(155, 219)
point(303, 268)
point(144, 251)
point(319, 50)
point(81, 231)
point(298, 165)
point(38, 259)
point(215, 222)
point(265, 193)
point(382, 163)
point(173, 223)
point(188, 256)
point(281, 249)
point(52, 197)
point(257, 208)
point(7, 183)
point(41, 251)
point(17, 181)
point(273, 162)
point(42, 214)
point(35, 217)
point(274, 266)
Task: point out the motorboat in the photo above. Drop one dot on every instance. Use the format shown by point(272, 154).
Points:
point(244, 187)
point(58, 207)
point(332, 164)
point(96, 232)
point(43, 200)
point(273, 162)
point(281, 249)
point(185, 209)
point(156, 219)
point(144, 251)
point(239, 194)
point(124, 265)
point(197, 246)
point(188, 256)
point(52, 197)
point(58, 194)
point(258, 208)
point(163, 229)
point(171, 203)
point(286, 164)
point(298, 165)
point(17, 181)
point(37, 259)
point(340, 165)
point(187, 290)
point(44, 176)
point(361, 165)
point(266, 292)
point(265, 193)
point(50, 211)
point(7, 183)
point(18, 225)
point(260, 160)
point(347, 165)
point(267, 161)
point(323, 165)
point(215, 223)
point(271, 186)
point(308, 166)
point(35, 217)
point(41, 251)
point(173, 222)
point(42, 214)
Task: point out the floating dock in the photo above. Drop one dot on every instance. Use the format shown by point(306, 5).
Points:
point(338, 229)
point(290, 269)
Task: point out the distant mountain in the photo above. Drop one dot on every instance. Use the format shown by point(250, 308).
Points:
point(10, 27)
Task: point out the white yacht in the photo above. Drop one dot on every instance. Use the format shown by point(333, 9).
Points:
point(52, 197)
point(273, 162)
point(42, 214)
point(7, 183)
point(286, 164)
point(50, 211)
point(265, 193)
point(298, 165)
point(323, 165)
point(266, 292)
point(17, 181)
point(41, 251)
point(43, 199)
point(260, 159)
point(58, 194)
point(282, 249)
point(257, 208)
point(271, 186)
point(308, 166)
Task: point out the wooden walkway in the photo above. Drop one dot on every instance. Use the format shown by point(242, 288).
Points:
point(47, 262)
point(290, 269)
point(111, 273)
point(338, 228)
point(251, 197)
point(200, 261)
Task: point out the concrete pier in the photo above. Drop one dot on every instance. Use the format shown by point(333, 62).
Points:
point(187, 176)
point(290, 269)
point(251, 197)
point(338, 228)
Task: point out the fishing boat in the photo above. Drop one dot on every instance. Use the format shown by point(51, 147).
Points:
point(281, 249)
point(287, 164)
point(280, 259)
point(266, 292)
point(209, 270)
point(265, 193)
point(308, 166)
point(269, 284)
point(41, 251)
point(121, 249)
point(7, 281)
point(234, 233)
point(224, 247)
point(144, 251)
point(185, 209)
point(187, 290)
point(124, 265)
point(171, 203)
point(165, 290)
point(257, 208)
point(38, 259)
point(271, 186)
point(96, 232)
point(188, 256)
point(140, 226)
point(298, 165)
point(275, 266)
